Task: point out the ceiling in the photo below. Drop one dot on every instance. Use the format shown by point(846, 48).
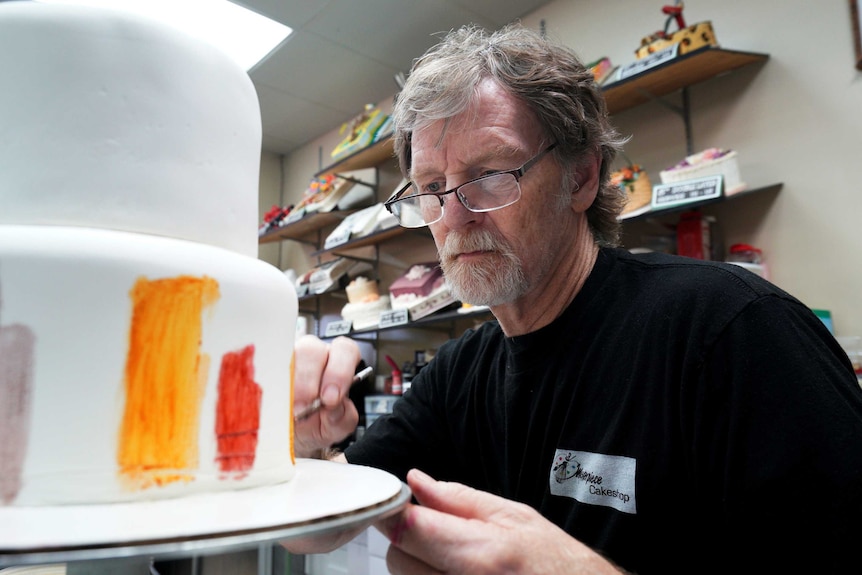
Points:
point(344, 54)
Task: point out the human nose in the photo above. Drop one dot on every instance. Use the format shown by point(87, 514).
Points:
point(455, 214)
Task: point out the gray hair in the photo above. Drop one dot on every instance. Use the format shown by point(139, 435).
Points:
point(548, 77)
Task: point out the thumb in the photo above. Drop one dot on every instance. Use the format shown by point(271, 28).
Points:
point(452, 498)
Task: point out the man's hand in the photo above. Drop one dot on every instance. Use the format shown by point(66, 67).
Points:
point(456, 529)
point(324, 370)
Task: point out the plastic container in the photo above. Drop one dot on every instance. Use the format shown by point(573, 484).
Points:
point(852, 345)
point(744, 253)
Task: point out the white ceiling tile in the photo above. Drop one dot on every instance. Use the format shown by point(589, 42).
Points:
point(328, 73)
point(293, 13)
point(344, 54)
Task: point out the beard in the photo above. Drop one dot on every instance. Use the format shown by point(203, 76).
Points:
point(497, 279)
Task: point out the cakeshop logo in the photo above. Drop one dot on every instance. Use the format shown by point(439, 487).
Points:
point(567, 467)
point(595, 478)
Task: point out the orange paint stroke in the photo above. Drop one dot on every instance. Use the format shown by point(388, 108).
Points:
point(237, 413)
point(165, 379)
point(291, 438)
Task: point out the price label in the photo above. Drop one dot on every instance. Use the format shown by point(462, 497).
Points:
point(393, 317)
point(655, 59)
point(335, 328)
point(678, 193)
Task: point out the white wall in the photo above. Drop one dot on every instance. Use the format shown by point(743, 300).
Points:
point(270, 194)
point(797, 119)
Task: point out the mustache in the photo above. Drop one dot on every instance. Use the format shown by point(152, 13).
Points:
point(479, 241)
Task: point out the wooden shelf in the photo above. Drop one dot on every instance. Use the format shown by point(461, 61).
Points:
point(337, 291)
point(369, 240)
point(430, 320)
point(373, 155)
point(676, 74)
point(695, 205)
point(304, 227)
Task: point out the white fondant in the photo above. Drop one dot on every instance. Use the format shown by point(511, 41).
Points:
point(70, 287)
point(324, 497)
point(130, 151)
point(113, 121)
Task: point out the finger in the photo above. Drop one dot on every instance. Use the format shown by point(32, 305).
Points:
point(310, 358)
point(453, 526)
point(429, 536)
point(322, 542)
point(320, 365)
point(341, 363)
point(474, 532)
point(454, 498)
point(400, 563)
point(339, 421)
point(325, 428)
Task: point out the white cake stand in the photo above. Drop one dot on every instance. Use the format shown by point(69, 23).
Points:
point(323, 498)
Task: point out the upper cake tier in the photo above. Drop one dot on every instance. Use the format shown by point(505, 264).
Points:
point(120, 125)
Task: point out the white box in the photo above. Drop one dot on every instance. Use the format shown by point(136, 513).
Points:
point(377, 405)
point(726, 166)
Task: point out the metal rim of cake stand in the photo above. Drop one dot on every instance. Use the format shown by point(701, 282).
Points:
point(210, 543)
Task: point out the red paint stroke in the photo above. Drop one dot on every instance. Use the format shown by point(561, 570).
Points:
point(17, 345)
point(237, 413)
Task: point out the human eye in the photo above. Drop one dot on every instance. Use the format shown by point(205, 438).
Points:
point(429, 188)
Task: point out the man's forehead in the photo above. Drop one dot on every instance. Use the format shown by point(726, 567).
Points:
point(460, 151)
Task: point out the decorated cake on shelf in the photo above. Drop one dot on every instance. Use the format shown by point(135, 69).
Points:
point(687, 38)
point(709, 162)
point(365, 304)
point(145, 350)
point(602, 70)
point(421, 290)
point(634, 182)
point(323, 194)
point(362, 131)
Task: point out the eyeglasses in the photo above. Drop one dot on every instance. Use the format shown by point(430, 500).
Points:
point(484, 194)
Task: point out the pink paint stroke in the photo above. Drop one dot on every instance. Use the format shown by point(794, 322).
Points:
point(17, 344)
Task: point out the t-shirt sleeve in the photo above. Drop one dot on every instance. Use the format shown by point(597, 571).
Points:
point(774, 424)
point(415, 434)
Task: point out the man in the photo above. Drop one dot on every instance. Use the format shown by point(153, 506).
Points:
point(647, 413)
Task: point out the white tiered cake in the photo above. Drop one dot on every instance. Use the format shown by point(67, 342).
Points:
point(145, 350)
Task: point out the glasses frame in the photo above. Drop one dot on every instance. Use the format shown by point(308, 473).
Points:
point(517, 173)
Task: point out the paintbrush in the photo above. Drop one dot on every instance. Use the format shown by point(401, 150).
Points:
point(316, 405)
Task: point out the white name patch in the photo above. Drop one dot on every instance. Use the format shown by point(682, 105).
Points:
point(595, 479)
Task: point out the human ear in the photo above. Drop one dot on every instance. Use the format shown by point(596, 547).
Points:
point(586, 183)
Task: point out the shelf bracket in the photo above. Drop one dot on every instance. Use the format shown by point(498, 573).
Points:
point(686, 119)
point(683, 111)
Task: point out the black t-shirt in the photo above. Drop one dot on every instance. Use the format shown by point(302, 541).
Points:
point(678, 415)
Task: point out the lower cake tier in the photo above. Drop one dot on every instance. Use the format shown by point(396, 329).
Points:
point(139, 367)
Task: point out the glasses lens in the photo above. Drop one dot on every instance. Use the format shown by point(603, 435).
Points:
point(486, 194)
point(490, 193)
point(416, 211)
